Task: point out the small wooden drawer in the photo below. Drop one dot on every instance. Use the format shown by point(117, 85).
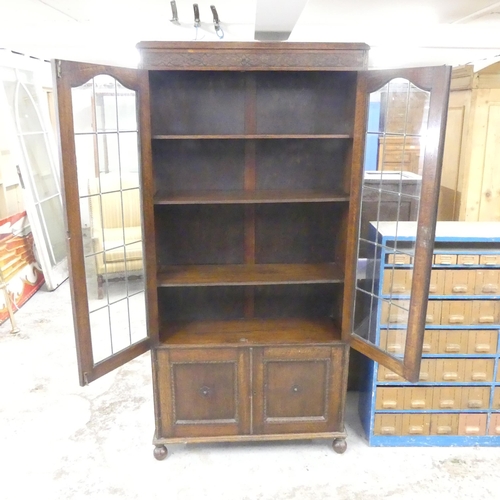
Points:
point(459, 282)
point(397, 281)
point(430, 344)
point(416, 424)
point(399, 258)
point(433, 313)
point(496, 398)
point(393, 341)
point(485, 312)
point(449, 370)
point(389, 398)
point(494, 427)
point(386, 375)
point(456, 312)
point(427, 370)
point(436, 286)
point(487, 282)
point(447, 398)
point(453, 342)
point(418, 398)
point(475, 398)
point(467, 260)
point(478, 370)
point(445, 259)
point(444, 424)
point(395, 313)
point(482, 341)
point(472, 424)
point(387, 424)
point(489, 260)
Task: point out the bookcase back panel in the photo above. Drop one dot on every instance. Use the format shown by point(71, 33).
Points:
point(305, 102)
point(197, 102)
point(298, 301)
point(199, 164)
point(320, 301)
point(298, 233)
point(300, 164)
point(199, 234)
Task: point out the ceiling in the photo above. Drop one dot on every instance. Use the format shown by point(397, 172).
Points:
point(401, 33)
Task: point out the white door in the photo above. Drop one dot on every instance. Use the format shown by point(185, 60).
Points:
point(24, 100)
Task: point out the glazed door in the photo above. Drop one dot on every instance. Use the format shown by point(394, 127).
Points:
point(397, 156)
point(38, 172)
point(102, 117)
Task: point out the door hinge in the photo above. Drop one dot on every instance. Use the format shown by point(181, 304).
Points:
point(85, 378)
point(58, 69)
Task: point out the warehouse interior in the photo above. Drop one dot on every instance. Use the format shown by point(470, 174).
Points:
point(62, 440)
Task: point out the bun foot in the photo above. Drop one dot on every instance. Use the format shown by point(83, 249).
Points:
point(339, 445)
point(160, 452)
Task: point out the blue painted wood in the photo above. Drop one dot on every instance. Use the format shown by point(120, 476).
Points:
point(385, 246)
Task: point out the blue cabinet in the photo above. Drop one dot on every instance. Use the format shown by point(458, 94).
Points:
point(457, 399)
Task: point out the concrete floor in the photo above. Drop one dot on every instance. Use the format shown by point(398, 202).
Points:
point(61, 441)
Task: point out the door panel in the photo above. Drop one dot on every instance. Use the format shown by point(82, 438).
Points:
point(298, 390)
point(102, 124)
point(406, 108)
point(203, 392)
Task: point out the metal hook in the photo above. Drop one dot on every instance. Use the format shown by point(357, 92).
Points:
point(218, 30)
point(175, 17)
point(197, 22)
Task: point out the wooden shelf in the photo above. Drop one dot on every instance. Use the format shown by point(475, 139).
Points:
point(250, 332)
point(255, 274)
point(247, 197)
point(254, 136)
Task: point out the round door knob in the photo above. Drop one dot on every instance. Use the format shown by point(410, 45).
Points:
point(205, 391)
point(295, 389)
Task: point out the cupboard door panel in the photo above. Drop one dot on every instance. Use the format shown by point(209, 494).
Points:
point(298, 389)
point(203, 392)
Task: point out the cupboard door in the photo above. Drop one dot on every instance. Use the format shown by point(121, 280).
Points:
point(298, 389)
point(391, 212)
point(203, 392)
point(105, 156)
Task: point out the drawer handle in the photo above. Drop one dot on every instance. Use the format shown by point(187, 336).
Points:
point(486, 319)
point(389, 405)
point(444, 429)
point(490, 288)
point(450, 376)
point(391, 376)
point(416, 429)
point(474, 403)
point(468, 261)
point(456, 318)
point(394, 347)
point(452, 348)
point(398, 289)
point(388, 430)
point(459, 289)
point(418, 403)
point(497, 429)
point(426, 348)
point(478, 376)
point(490, 262)
point(446, 403)
point(444, 259)
point(472, 429)
point(432, 288)
point(397, 318)
point(429, 318)
point(423, 376)
point(482, 348)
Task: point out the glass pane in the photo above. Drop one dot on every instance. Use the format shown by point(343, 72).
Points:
point(391, 189)
point(52, 215)
point(41, 169)
point(110, 210)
